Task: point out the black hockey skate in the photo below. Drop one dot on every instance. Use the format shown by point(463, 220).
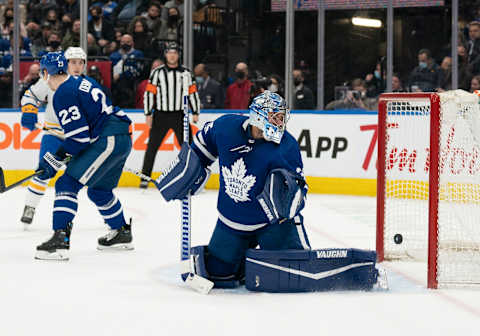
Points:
point(57, 247)
point(120, 239)
point(27, 216)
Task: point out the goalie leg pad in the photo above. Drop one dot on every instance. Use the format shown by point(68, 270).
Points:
point(186, 175)
point(291, 271)
point(204, 262)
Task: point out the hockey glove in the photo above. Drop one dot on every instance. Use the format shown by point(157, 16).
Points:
point(50, 164)
point(283, 195)
point(29, 116)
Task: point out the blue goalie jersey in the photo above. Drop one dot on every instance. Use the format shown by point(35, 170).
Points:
point(82, 109)
point(244, 165)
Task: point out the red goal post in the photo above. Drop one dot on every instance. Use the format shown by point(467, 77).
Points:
point(428, 183)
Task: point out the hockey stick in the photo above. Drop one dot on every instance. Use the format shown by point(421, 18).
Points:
point(4, 188)
point(51, 131)
point(139, 174)
point(186, 204)
point(187, 260)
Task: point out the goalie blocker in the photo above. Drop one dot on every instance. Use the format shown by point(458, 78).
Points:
point(184, 176)
point(292, 271)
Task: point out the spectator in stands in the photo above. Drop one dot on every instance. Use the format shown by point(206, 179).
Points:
point(303, 96)
point(475, 83)
point(464, 70)
point(356, 98)
point(126, 70)
point(276, 85)
point(426, 76)
point(375, 81)
point(141, 87)
point(53, 44)
point(31, 78)
point(94, 72)
point(6, 88)
point(23, 13)
point(127, 9)
point(171, 28)
point(5, 26)
point(7, 50)
point(238, 93)
point(397, 84)
point(72, 37)
point(34, 33)
point(127, 51)
point(51, 18)
point(70, 10)
point(210, 91)
point(172, 4)
point(152, 16)
point(92, 47)
point(445, 82)
point(100, 28)
point(473, 47)
point(37, 9)
point(139, 30)
point(108, 8)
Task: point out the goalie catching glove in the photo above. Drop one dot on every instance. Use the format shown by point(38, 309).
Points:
point(185, 175)
point(283, 195)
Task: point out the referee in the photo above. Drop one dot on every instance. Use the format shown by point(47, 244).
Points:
point(163, 104)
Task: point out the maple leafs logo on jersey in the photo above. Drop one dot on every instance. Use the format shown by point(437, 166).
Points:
point(237, 185)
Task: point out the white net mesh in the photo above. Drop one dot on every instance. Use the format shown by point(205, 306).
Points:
point(406, 184)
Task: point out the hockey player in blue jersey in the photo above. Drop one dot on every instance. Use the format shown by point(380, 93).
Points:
point(261, 195)
point(35, 96)
point(96, 146)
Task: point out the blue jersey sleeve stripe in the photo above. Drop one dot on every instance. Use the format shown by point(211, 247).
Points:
point(81, 140)
point(76, 131)
point(203, 149)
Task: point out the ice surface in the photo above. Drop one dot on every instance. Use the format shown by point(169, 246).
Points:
point(140, 293)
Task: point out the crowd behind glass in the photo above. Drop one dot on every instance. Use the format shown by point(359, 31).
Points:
point(132, 34)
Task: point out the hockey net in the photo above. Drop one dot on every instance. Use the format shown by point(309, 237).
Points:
point(428, 185)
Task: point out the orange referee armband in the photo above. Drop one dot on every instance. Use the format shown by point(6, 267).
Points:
point(192, 89)
point(151, 88)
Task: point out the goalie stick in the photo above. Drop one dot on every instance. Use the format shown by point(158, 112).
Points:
point(4, 188)
point(193, 280)
point(186, 204)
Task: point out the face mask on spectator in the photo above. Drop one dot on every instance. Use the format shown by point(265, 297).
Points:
point(240, 74)
point(297, 81)
point(376, 73)
point(95, 17)
point(422, 65)
point(200, 80)
point(52, 21)
point(173, 19)
point(273, 88)
point(54, 44)
point(126, 47)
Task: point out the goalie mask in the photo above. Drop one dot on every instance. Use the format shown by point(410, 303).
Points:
point(269, 112)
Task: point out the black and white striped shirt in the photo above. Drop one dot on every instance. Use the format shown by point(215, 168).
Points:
point(165, 90)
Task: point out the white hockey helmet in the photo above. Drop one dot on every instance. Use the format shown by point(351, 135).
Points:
point(75, 53)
